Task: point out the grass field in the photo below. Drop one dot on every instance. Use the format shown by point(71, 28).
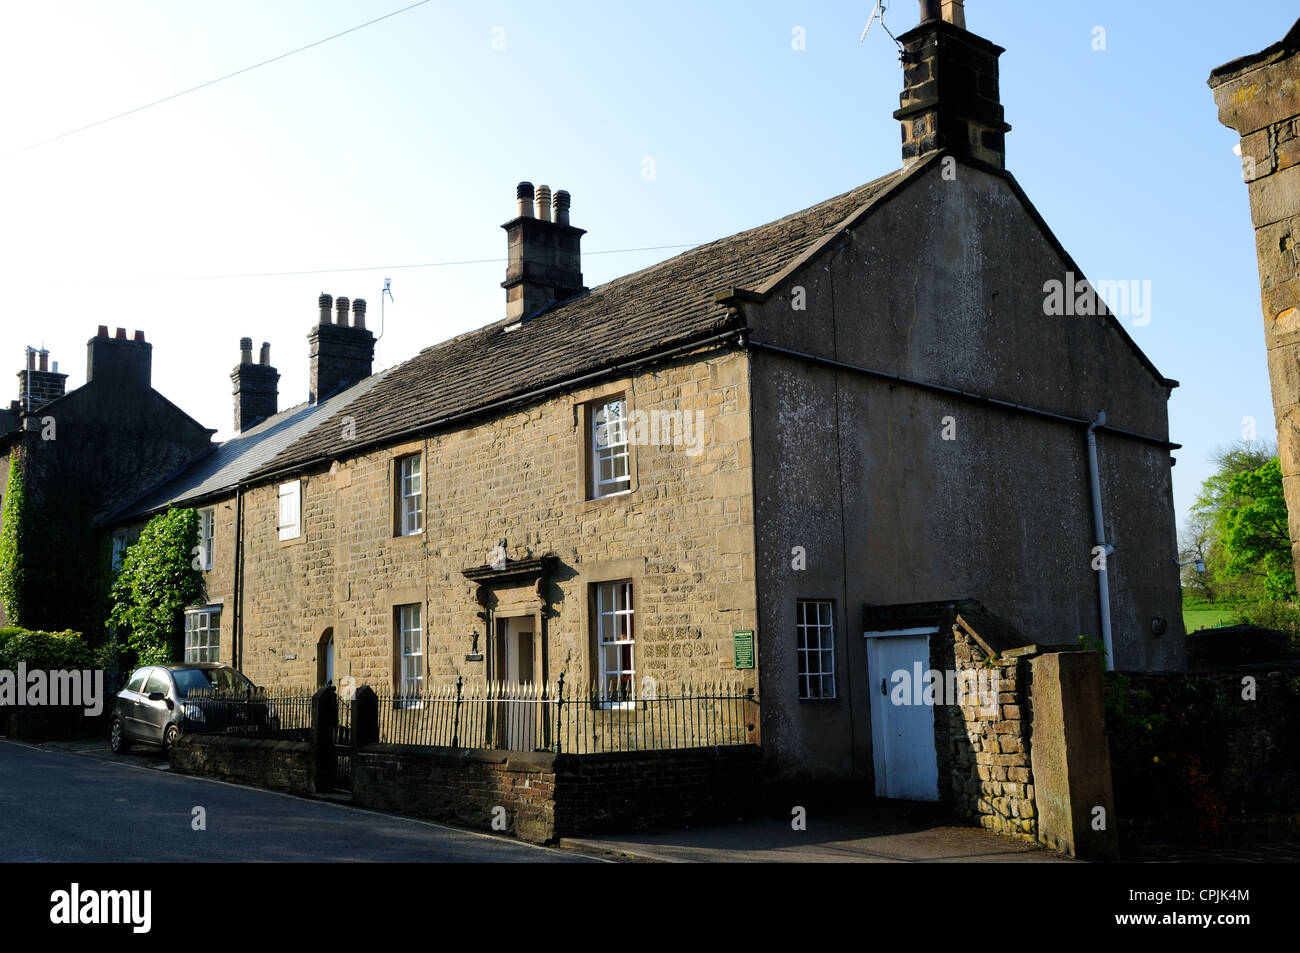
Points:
point(1199, 614)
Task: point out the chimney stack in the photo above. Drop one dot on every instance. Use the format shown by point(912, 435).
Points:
point(37, 385)
point(119, 363)
point(255, 386)
point(340, 355)
point(545, 257)
point(950, 100)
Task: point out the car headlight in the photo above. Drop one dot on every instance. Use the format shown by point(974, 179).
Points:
point(193, 712)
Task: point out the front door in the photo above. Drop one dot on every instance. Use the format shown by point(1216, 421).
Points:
point(518, 724)
point(902, 731)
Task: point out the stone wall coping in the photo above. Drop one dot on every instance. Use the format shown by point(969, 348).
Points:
point(250, 744)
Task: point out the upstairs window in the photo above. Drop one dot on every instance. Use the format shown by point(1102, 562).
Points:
point(119, 545)
point(205, 539)
point(410, 496)
point(611, 458)
point(291, 510)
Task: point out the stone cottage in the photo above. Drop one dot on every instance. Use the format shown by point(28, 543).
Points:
point(763, 443)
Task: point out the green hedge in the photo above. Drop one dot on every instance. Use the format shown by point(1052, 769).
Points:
point(47, 650)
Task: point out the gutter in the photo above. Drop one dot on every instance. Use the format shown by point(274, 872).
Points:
point(963, 394)
point(505, 402)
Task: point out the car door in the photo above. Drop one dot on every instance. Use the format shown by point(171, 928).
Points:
point(155, 713)
point(129, 702)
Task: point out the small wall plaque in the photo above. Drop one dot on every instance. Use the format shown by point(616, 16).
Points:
point(474, 657)
point(743, 641)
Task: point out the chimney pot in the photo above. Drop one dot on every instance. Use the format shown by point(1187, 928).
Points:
point(341, 311)
point(120, 334)
point(245, 350)
point(103, 331)
point(544, 202)
point(326, 303)
point(56, 367)
point(139, 337)
point(31, 358)
point(954, 12)
point(45, 359)
point(931, 10)
point(562, 200)
point(265, 357)
point(359, 313)
point(524, 191)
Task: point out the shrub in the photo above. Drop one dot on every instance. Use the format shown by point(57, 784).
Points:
point(47, 650)
point(157, 582)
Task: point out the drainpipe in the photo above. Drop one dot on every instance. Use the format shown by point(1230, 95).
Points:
point(236, 627)
point(1099, 534)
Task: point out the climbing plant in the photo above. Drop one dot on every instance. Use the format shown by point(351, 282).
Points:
point(12, 563)
point(157, 581)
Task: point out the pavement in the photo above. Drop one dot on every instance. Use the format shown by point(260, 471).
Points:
point(878, 834)
point(44, 816)
point(60, 805)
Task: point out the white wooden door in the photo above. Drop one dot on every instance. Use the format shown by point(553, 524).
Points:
point(902, 735)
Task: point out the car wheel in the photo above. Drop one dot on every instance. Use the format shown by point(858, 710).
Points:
point(169, 738)
point(117, 742)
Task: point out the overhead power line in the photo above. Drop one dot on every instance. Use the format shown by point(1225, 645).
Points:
point(211, 82)
point(335, 271)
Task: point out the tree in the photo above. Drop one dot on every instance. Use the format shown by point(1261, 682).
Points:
point(1254, 531)
point(157, 582)
point(1203, 537)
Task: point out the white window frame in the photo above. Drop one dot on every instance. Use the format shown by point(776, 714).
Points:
point(410, 653)
point(410, 495)
point(815, 649)
point(290, 500)
point(616, 633)
point(610, 445)
point(206, 519)
point(203, 634)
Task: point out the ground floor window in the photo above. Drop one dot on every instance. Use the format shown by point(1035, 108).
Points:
point(410, 656)
point(815, 644)
point(615, 639)
point(203, 634)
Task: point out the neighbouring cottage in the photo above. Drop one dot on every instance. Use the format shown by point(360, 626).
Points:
point(793, 435)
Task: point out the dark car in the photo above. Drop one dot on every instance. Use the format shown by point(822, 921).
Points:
point(152, 708)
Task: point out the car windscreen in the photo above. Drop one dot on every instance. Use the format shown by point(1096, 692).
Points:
point(220, 679)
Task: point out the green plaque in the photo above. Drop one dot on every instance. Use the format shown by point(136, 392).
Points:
point(744, 647)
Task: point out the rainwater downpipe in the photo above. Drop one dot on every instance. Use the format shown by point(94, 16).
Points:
point(1099, 534)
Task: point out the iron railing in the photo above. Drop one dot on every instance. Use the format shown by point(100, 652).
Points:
point(256, 714)
point(546, 718)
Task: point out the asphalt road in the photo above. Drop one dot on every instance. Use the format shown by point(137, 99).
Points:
point(61, 806)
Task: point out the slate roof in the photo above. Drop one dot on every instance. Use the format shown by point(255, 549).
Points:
point(652, 309)
point(668, 303)
point(235, 460)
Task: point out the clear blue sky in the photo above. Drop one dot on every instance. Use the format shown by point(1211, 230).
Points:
point(401, 144)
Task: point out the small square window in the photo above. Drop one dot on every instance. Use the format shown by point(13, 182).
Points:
point(291, 510)
point(815, 647)
point(203, 634)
